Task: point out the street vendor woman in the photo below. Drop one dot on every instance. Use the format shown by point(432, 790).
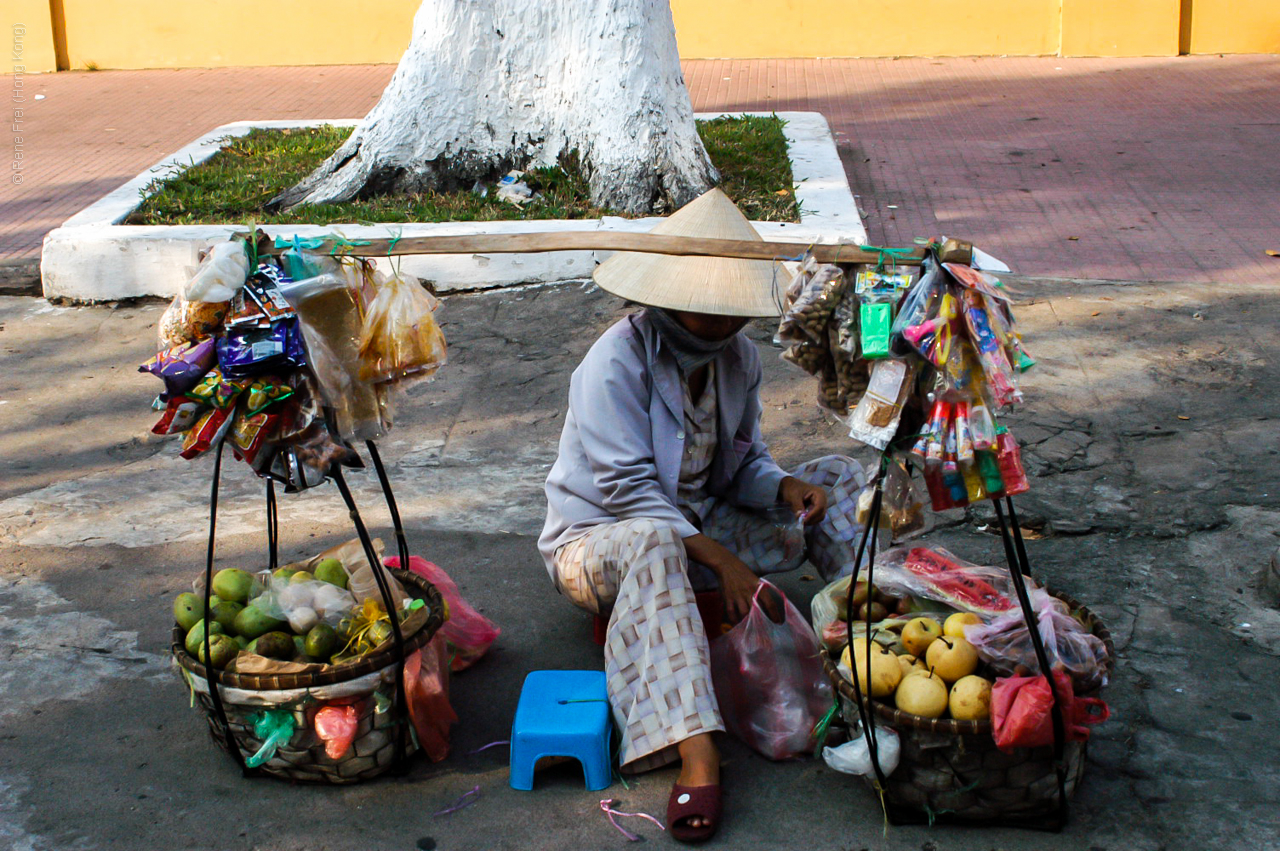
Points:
point(658, 490)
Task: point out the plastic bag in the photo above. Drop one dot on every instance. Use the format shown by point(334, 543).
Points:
point(304, 604)
point(190, 321)
point(1022, 712)
point(336, 726)
point(769, 680)
point(400, 337)
point(875, 420)
point(903, 509)
point(811, 298)
point(933, 573)
point(468, 632)
point(1005, 643)
point(854, 756)
point(426, 687)
point(220, 275)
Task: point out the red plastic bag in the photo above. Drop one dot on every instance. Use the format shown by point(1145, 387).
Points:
point(468, 632)
point(769, 680)
point(426, 687)
point(1022, 711)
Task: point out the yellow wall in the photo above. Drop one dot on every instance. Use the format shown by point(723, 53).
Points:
point(798, 28)
point(207, 33)
point(1130, 28)
point(1235, 26)
point(37, 41)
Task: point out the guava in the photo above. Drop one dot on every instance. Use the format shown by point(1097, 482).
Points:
point(188, 609)
point(320, 641)
point(252, 622)
point(331, 570)
point(222, 649)
point(233, 584)
point(195, 636)
point(224, 612)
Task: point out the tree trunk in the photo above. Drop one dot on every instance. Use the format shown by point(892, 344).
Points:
point(491, 85)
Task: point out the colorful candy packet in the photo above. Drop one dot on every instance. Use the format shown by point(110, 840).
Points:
point(182, 366)
point(211, 428)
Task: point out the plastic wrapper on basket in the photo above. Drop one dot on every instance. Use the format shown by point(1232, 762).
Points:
point(400, 338)
point(426, 685)
point(933, 573)
point(220, 274)
point(769, 680)
point(468, 632)
point(1005, 643)
point(854, 756)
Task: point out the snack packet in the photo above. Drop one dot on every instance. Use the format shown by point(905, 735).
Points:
point(875, 420)
point(400, 338)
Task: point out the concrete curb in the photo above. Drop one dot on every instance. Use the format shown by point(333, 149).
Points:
point(93, 258)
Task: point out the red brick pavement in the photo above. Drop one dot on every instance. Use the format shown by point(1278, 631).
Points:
point(1163, 169)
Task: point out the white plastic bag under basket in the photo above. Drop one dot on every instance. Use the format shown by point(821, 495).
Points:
point(854, 757)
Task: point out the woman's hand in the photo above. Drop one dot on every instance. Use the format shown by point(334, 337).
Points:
point(737, 582)
point(804, 498)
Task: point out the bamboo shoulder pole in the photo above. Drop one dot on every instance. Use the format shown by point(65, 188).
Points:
point(522, 243)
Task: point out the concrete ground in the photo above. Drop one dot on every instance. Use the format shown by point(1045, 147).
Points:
point(1150, 426)
point(1150, 429)
point(1156, 169)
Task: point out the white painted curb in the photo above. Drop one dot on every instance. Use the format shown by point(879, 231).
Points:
point(93, 258)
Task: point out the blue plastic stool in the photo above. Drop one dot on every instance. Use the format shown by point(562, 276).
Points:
point(563, 713)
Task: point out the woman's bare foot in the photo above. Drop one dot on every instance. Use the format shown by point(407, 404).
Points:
point(700, 766)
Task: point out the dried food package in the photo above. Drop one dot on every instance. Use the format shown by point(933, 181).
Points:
point(875, 419)
point(400, 338)
point(808, 316)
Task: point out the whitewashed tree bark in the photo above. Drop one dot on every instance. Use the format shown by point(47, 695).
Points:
point(490, 85)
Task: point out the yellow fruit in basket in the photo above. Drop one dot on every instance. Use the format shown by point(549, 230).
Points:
point(971, 699)
point(222, 649)
point(195, 636)
point(953, 626)
point(860, 650)
point(922, 693)
point(885, 673)
point(910, 664)
point(233, 584)
point(300, 577)
point(951, 658)
point(918, 634)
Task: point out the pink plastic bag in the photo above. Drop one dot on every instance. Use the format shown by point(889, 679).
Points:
point(468, 632)
point(336, 727)
point(769, 680)
point(426, 687)
point(1022, 711)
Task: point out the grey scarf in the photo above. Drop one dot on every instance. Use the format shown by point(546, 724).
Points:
point(691, 351)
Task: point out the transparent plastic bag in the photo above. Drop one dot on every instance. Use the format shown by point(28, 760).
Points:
point(400, 338)
point(1005, 643)
point(304, 604)
point(854, 756)
point(875, 420)
point(468, 632)
point(331, 317)
point(769, 680)
point(932, 573)
point(220, 274)
point(813, 296)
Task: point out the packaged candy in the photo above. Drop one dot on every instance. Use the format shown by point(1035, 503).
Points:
point(254, 351)
point(216, 391)
point(180, 414)
point(982, 427)
point(211, 428)
point(1009, 457)
point(875, 322)
point(182, 367)
point(991, 355)
point(989, 469)
point(250, 433)
point(264, 391)
point(264, 289)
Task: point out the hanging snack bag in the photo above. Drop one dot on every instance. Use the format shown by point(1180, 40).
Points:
point(255, 351)
point(400, 338)
point(875, 419)
point(182, 367)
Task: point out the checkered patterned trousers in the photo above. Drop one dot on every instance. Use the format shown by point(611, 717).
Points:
point(656, 657)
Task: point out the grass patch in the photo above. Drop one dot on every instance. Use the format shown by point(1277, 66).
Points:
point(233, 185)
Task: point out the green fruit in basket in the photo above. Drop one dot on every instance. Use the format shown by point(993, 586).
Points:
point(233, 584)
point(320, 641)
point(242, 642)
point(252, 622)
point(283, 572)
point(300, 648)
point(195, 636)
point(274, 645)
point(188, 609)
point(331, 570)
point(222, 649)
point(302, 576)
point(224, 612)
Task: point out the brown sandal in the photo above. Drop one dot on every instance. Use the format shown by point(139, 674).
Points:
point(693, 802)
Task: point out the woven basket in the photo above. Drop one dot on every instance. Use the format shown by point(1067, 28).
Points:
point(951, 770)
point(369, 685)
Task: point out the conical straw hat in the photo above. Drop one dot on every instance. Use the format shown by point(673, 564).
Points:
point(721, 285)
